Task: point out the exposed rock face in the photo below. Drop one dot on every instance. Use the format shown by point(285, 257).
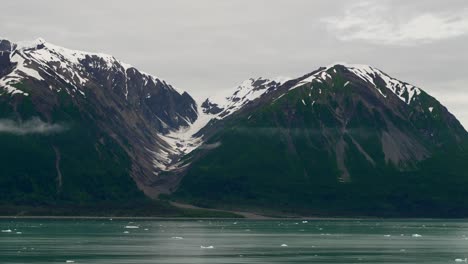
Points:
point(132, 107)
point(357, 101)
point(348, 135)
point(325, 134)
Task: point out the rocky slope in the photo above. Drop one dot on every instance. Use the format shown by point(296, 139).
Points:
point(342, 139)
point(77, 127)
point(99, 101)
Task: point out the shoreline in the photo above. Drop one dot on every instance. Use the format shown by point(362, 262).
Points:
point(158, 218)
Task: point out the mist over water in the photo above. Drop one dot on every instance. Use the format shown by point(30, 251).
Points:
point(232, 241)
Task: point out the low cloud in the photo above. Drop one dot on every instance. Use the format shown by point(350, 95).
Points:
point(377, 23)
point(210, 146)
point(31, 126)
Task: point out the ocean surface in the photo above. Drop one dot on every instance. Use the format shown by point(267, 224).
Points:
point(114, 241)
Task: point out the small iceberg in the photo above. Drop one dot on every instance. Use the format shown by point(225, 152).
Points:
point(126, 232)
point(284, 245)
point(177, 238)
point(207, 247)
point(132, 227)
point(461, 260)
point(7, 231)
point(19, 233)
point(387, 235)
point(70, 261)
point(416, 235)
point(305, 222)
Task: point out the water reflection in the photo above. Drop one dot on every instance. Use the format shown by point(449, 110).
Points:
point(239, 241)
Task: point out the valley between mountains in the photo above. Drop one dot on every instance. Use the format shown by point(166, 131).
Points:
point(84, 133)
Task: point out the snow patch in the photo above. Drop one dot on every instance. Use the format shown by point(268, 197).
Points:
point(249, 90)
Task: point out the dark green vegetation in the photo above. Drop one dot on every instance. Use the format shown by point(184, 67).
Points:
point(77, 170)
point(86, 138)
point(284, 155)
point(92, 167)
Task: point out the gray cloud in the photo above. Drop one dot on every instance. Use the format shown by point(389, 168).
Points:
point(31, 126)
point(375, 22)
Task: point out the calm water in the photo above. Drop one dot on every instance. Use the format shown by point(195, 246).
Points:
point(230, 241)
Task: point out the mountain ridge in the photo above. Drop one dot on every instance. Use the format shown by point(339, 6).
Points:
point(330, 125)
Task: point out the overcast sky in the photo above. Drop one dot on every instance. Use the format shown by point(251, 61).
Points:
point(204, 46)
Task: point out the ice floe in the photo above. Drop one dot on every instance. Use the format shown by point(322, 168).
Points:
point(206, 247)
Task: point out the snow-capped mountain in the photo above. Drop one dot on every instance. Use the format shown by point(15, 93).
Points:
point(219, 106)
point(341, 140)
point(253, 90)
point(378, 79)
point(71, 70)
point(226, 103)
point(340, 124)
point(135, 108)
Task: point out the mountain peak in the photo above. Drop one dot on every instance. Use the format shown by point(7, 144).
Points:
point(378, 79)
point(30, 44)
point(38, 58)
point(229, 101)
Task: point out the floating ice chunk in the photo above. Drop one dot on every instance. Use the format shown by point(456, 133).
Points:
point(6, 231)
point(207, 247)
point(305, 222)
point(387, 235)
point(461, 260)
point(284, 245)
point(177, 238)
point(132, 227)
point(126, 232)
point(70, 261)
point(146, 229)
point(416, 235)
point(19, 233)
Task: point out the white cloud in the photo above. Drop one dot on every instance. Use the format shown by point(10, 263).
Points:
point(32, 126)
point(379, 23)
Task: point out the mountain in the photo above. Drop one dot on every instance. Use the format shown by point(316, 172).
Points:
point(101, 124)
point(85, 130)
point(342, 140)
